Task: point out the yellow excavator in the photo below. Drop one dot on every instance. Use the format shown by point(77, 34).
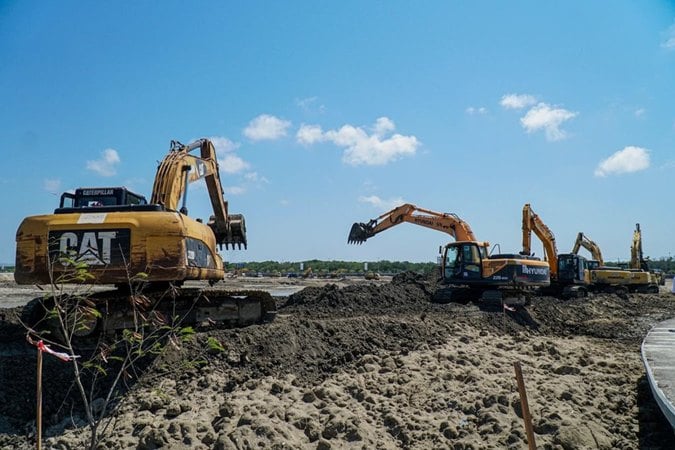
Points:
point(468, 271)
point(121, 239)
point(570, 276)
point(642, 279)
point(602, 278)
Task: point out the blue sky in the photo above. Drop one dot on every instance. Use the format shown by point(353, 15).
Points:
point(327, 113)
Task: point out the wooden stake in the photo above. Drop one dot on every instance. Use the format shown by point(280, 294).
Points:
point(39, 399)
point(524, 406)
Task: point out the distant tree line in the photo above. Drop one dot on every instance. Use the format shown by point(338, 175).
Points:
point(320, 268)
point(665, 264)
point(331, 267)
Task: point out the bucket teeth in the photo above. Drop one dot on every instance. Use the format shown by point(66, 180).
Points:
point(359, 233)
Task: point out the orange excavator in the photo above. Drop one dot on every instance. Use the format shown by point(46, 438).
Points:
point(468, 271)
point(569, 272)
point(120, 239)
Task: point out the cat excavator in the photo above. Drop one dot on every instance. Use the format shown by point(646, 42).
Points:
point(112, 236)
point(468, 271)
point(602, 278)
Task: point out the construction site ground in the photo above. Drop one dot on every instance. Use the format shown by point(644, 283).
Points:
point(356, 364)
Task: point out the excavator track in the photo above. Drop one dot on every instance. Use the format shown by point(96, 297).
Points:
point(105, 313)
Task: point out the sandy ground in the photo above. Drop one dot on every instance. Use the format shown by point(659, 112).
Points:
point(365, 365)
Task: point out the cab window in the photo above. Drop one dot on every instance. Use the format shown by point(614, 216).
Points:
point(450, 261)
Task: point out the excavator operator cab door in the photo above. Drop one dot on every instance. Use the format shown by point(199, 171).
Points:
point(462, 262)
point(572, 269)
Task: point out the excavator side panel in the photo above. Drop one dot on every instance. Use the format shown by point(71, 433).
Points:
point(116, 246)
point(522, 271)
point(614, 277)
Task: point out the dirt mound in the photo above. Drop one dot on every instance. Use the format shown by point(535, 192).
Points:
point(379, 366)
point(407, 292)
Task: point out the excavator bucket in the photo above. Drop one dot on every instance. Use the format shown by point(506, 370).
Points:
point(359, 233)
point(237, 231)
point(234, 235)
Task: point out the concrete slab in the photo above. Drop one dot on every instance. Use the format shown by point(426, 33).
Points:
point(658, 356)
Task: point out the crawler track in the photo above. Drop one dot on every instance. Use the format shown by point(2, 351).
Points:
point(104, 313)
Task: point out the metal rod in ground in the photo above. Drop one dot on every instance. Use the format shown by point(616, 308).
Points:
point(532, 445)
point(39, 399)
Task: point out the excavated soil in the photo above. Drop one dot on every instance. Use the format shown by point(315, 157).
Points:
point(372, 366)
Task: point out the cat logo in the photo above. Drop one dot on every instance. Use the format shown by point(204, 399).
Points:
point(92, 247)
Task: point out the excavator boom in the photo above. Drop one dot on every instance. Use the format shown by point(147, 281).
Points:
point(593, 248)
point(533, 223)
point(637, 261)
point(445, 222)
point(180, 168)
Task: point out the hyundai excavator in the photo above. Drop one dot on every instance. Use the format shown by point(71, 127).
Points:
point(570, 276)
point(123, 240)
point(602, 278)
point(468, 272)
point(642, 279)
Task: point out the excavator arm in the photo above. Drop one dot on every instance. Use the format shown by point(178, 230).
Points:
point(180, 168)
point(532, 222)
point(445, 222)
point(636, 248)
point(591, 246)
point(637, 260)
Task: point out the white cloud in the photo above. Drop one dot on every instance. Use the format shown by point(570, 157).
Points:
point(544, 117)
point(669, 38)
point(361, 148)
point(234, 190)
point(309, 134)
point(284, 202)
point(52, 185)
point(640, 112)
point(105, 166)
point(228, 162)
point(517, 101)
point(630, 159)
point(266, 127)
point(381, 204)
point(383, 126)
point(309, 104)
point(223, 145)
point(231, 163)
point(476, 111)
point(255, 178)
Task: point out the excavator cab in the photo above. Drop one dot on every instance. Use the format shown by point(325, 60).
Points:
point(99, 197)
point(463, 261)
point(572, 269)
